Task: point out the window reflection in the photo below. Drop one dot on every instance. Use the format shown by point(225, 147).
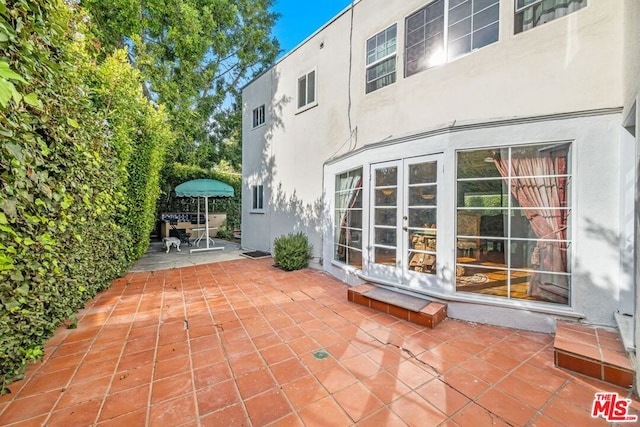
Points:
point(348, 218)
point(512, 220)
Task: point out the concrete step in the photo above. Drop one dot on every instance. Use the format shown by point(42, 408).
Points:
point(406, 307)
point(594, 351)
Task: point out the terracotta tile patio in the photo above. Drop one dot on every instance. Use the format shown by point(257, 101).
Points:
point(243, 343)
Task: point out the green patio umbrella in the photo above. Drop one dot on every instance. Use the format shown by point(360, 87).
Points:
point(206, 188)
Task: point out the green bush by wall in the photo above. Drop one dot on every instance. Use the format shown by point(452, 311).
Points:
point(79, 168)
point(292, 252)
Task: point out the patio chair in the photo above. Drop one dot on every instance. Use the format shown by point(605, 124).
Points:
point(180, 233)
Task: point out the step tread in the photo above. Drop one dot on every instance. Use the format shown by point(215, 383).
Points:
point(401, 305)
point(595, 351)
point(395, 298)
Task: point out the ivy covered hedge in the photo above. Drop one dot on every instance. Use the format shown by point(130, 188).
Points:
point(79, 170)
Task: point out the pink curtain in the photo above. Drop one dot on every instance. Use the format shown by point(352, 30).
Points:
point(538, 194)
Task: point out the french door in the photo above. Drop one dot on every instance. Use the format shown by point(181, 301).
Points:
point(404, 220)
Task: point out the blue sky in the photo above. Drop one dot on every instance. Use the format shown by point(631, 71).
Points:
point(299, 19)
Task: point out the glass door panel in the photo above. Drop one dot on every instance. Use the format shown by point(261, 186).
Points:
point(385, 215)
point(404, 221)
point(421, 221)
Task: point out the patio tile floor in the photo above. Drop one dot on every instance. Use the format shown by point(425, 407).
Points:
point(238, 343)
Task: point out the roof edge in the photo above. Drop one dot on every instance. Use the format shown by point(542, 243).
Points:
point(303, 42)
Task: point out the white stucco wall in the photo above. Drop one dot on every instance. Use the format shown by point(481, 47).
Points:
point(631, 34)
point(568, 65)
point(631, 114)
point(595, 214)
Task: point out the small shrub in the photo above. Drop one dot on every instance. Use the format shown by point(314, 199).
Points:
point(292, 252)
point(224, 233)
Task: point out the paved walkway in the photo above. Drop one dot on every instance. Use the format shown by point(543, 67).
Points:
point(157, 258)
point(241, 343)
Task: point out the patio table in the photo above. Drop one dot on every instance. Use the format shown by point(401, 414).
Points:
point(202, 232)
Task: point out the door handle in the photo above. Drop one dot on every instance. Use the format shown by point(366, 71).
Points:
point(405, 217)
point(405, 228)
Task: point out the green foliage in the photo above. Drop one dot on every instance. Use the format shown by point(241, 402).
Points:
point(225, 232)
point(72, 159)
point(140, 135)
point(224, 147)
point(292, 252)
point(195, 54)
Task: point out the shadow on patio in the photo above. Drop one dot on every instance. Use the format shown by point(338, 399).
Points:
point(242, 343)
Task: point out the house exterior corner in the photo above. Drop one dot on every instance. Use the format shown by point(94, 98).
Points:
point(480, 153)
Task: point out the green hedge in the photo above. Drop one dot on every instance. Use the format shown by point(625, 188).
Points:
point(140, 134)
point(79, 160)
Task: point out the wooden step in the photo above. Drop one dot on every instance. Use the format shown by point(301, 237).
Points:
point(594, 351)
point(406, 307)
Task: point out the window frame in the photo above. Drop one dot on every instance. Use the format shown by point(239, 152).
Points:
point(308, 104)
point(340, 222)
point(522, 10)
point(257, 198)
point(382, 60)
point(257, 114)
point(444, 57)
point(510, 211)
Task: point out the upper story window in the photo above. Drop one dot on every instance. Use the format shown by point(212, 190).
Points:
point(381, 59)
point(531, 13)
point(307, 89)
point(434, 37)
point(258, 116)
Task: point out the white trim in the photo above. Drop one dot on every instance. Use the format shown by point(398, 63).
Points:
point(509, 209)
point(368, 66)
point(455, 127)
point(520, 11)
point(346, 267)
point(311, 104)
point(264, 116)
point(305, 108)
point(257, 197)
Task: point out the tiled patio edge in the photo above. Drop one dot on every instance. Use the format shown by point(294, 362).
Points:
point(593, 351)
point(431, 315)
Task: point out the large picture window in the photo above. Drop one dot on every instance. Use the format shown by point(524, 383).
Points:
point(512, 222)
point(381, 59)
point(446, 29)
point(348, 218)
point(531, 13)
